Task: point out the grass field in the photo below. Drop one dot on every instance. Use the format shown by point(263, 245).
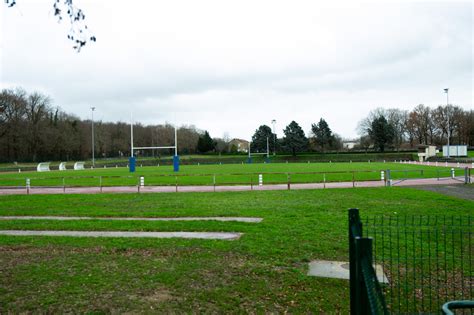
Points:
point(226, 174)
point(264, 271)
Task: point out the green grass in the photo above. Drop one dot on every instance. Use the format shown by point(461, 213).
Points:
point(264, 271)
point(226, 174)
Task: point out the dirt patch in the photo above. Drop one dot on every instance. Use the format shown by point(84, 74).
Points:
point(460, 191)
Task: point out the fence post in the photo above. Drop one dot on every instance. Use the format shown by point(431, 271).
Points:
point(289, 179)
point(363, 250)
point(354, 226)
point(64, 185)
point(467, 178)
point(353, 179)
point(388, 178)
point(100, 183)
point(324, 180)
point(176, 183)
point(28, 183)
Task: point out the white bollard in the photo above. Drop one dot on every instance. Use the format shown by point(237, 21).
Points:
point(19, 170)
point(28, 183)
point(116, 166)
point(142, 181)
point(384, 161)
point(260, 180)
point(446, 163)
point(458, 164)
point(382, 175)
point(452, 173)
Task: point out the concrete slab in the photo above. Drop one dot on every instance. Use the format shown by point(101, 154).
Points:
point(339, 270)
point(64, 218)
point(187, 235)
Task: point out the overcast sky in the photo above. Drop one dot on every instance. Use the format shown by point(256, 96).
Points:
point(231, 66)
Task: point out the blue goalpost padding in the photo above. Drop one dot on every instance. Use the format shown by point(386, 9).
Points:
point(176, 163)
point(131, 164)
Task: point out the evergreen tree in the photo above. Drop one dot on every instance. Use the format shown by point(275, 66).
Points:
point(259, 139)
point(295, 139)
point(381, 133)
point(323, 136)
point(205, 143)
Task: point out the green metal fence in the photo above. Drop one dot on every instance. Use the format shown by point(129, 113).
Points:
point(425, 262)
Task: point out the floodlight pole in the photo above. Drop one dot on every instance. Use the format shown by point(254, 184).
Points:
point(274, 137)
point(268, 149)
point(447, 115)
point(93, 158)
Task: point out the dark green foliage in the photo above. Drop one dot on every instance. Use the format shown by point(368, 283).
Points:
point(295, 139)
point(259, 139)
point(381, 133)
point(323, 137)
point(205, 143)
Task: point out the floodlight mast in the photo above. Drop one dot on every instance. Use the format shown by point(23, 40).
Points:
point(93, 157)
point(274, 136)
point(268, 149)
point(447, 115)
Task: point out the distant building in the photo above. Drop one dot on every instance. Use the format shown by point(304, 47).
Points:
point(239, 145)
point(426, 151)
point(349, 144)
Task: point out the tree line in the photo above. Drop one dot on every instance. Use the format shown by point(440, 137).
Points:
point(397, 129)
point(32, 129)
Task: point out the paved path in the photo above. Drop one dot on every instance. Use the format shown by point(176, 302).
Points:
point(190, 235)
point(445, 164)
point(63, 218)
point(157, 189)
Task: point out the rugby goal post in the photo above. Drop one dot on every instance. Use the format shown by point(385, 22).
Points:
point(62, 166)
point(258, 153)
point(132, 160)
point(43, 167)
point(78, 166)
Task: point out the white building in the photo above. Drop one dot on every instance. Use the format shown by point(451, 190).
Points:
point(455, 150)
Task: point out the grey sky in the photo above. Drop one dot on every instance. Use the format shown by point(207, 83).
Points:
point(230, 66)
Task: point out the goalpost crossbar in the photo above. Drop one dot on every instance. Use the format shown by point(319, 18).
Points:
point(152, 148)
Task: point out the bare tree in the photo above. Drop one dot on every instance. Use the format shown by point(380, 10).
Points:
point(66, 10)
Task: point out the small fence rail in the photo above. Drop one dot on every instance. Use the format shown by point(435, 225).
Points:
point(349, 178)
point(426, 262)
